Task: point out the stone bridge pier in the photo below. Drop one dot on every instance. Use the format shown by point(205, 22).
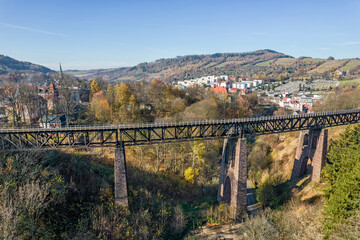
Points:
point(233, 176)
point(312, 145)
point(120, 178)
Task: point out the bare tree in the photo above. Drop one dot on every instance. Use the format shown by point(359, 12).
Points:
point(10, 97)
point(67, 97)
point(27, 97)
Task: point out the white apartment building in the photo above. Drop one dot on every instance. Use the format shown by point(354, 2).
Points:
point(240, 85)
point(258, 82)
point(208, 80)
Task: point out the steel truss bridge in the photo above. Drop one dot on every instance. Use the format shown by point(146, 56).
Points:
point(16, 139)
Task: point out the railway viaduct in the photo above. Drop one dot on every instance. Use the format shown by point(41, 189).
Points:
point(233, 176)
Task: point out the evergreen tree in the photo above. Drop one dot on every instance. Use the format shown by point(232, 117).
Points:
point(343, 178)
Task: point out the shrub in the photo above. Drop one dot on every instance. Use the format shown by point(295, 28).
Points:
point(218, 214)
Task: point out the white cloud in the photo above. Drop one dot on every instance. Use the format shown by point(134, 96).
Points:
point(347, 44)
point(324, 48)
point(32, 29)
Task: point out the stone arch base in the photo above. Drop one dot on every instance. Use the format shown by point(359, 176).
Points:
point(233, 176)
point(312, 145)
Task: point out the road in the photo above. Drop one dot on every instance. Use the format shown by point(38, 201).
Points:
point(253, 205)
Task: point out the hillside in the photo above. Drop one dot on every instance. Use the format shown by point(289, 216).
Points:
point(187, 67)
point(13, 70)
point(266, 64)
point(9, 65)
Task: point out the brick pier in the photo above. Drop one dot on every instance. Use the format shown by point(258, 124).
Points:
point(233, 176)
point(312, 145)
point(121, 191)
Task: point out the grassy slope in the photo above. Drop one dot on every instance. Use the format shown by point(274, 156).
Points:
point(285, 61)
point(284, 147)
point(349, 82)
point(314, 60)
point(329, 65)
point(351, 64)
point(264, 64)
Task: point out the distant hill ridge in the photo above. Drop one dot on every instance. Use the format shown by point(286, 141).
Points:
point(181, 67)
point(266, 64)
point(261, 63)
point(11, 65)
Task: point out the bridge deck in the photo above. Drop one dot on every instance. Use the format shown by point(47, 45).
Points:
point(147, 133)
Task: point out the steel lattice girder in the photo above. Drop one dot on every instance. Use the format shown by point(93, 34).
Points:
point(137, 134)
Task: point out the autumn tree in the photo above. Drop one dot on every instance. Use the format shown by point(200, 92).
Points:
point(125, 103)
point(259, 160)
point(110, 97)
point(94, 88)
point(286, 75)
point(101, 109)
point(205, 109)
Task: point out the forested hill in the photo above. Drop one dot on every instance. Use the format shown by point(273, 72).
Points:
point(265, 64)
point(185, 66)
point(11, 65)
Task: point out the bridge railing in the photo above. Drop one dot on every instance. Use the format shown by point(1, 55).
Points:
point(174, 123)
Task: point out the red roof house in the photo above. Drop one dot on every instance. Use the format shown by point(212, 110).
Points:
point(218, 90)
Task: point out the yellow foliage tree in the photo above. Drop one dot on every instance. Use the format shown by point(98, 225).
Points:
point(94, 88)
point(199, 150)
point(122, 93)
point(190, 174)
point(101, 109)
point(125, 103)
point(286, 75)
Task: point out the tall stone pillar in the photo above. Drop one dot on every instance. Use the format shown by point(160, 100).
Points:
point(225, 161)
point(239, 196)
point(121, 192)
point(301, 156)
point(312, 145)
point(233, 176)
point(319, 159)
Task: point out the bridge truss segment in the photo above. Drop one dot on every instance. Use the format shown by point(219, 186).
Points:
point(17, 139)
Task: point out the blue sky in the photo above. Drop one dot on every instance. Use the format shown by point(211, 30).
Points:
point(102, 34)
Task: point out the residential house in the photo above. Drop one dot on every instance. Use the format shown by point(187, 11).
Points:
point(218, 90)
point(52, 121)
point(51, 95)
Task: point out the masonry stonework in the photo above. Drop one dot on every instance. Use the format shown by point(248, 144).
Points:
point(299, 166)
point(121, 192)
point(312, 145)
point(233, 176)
point(319, 160)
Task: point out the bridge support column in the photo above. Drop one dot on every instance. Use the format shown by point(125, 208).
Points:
point(301, 156)
point(121, 192)
point(312, 145)
point(319, 159)
point(233, 176)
